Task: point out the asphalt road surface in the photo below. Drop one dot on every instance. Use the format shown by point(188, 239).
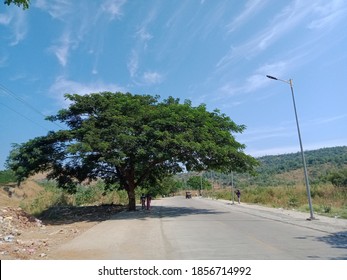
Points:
point(202, 229)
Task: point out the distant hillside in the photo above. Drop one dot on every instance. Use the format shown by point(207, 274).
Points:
point(336, 157)
point(287, 169)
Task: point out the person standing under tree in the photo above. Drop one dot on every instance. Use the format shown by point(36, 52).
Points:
point(238, 193)
point(143, 201)
point(149, 199)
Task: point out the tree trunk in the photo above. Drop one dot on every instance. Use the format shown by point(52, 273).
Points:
point(131, 197)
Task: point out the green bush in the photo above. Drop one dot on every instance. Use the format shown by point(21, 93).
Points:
point(7, 176)
point(88, 194)
point(326, 208)
point(339, 178)
point(45, 199)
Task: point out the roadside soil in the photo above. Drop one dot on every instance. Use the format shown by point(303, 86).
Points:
point(23, 236)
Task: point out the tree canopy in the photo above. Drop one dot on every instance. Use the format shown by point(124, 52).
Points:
point(131, 140)
point(24, 3)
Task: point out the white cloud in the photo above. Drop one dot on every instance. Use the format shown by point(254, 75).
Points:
point(16, 21)
point(78, 22)
point(5, 19)
point(257, 79)
point(289, 18)
point(319, 15)
point(133, 63)
point(61, 50)
point(57, 9)
point(152, 78)
point(328, 14)
point(63, 86)
point(113, 8)
point(143, 34)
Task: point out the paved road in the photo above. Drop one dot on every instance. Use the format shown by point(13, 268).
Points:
point(179, 228)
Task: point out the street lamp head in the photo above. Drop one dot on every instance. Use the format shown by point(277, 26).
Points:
point(271, 77)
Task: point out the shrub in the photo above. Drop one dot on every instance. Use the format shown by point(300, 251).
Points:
point(7, 176)
point(339, 178)
point(293, 201)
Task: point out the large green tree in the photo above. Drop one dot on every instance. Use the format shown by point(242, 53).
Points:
point(131, 141)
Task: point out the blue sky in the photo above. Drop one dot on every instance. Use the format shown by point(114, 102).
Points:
point(216, 52)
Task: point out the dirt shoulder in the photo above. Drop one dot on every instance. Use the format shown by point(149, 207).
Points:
point(25, 237)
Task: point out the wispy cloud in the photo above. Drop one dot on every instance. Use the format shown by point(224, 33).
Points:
point(62, 48)
point(255, 80)
point(16, 21)
point(5, 19)
point(251, 8)
point(3, 61)
point(57, 9)
point(319, 15)
point(64, 10)
point(20, 28)
point(261, 133)
point(288, 130)
point(113, 8)
point(285, 21)
point(152, 78)
point(328, 13)
point(62, 86)
point(142, 36)
point(133, 63)
point(326, 120)
point(77, 22)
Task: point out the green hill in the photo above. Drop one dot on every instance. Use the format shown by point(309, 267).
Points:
point(335, 157)
point(287, 169)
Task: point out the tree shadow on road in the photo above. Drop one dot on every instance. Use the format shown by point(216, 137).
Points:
point(336, 240)
point(165, 212)
point(60, 215)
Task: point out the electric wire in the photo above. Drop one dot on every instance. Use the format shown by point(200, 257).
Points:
point(45, 128)
point(12, 94)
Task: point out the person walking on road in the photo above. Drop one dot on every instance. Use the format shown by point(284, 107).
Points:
point(238, 193)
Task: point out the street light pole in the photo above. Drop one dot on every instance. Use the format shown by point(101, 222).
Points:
point(290, 82)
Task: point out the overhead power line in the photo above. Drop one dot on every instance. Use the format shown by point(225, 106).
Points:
point(12, 94)
point(45, 128)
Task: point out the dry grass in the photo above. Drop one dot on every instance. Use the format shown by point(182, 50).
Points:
point(326, 199)
point(36, 195)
